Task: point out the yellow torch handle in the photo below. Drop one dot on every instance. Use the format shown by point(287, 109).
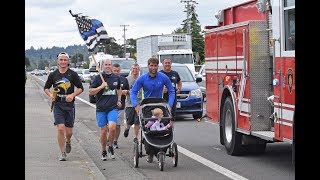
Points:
point(54, 93)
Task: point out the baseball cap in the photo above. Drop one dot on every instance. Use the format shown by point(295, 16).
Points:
point(62, 54)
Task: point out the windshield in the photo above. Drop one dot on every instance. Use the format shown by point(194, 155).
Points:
point(79, 71)
point(197, 68)
point(183, 71)
point(124, 64)
point(86, 71)
point(178, 58)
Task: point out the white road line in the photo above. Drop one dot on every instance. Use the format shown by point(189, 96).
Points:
point(90, 104)
point(196, 157)
point(210, 122)
point(211, 164)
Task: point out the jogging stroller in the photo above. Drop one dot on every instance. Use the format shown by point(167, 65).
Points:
point(156, 142)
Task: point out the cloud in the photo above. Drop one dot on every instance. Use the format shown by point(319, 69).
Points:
point(48, 23)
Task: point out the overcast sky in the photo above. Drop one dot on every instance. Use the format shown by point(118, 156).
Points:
point(48, 22)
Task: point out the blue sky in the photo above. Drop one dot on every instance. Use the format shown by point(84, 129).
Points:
point(48, 23)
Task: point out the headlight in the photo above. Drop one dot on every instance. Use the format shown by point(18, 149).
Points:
point(196, 93)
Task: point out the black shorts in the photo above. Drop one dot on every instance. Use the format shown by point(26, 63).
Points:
point(131, 116)
point(64, 113)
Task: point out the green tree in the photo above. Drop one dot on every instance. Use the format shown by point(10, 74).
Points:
point(78, 57)
point(114, 48)
point(42, 64)
point(86, 65)
point(179, 30)
point(132, 47)
point(27, 62)
point(196, 33)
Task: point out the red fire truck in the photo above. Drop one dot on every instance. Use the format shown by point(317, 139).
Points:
point(250, 74)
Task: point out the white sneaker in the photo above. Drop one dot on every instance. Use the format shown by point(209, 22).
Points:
point(111, 152)
point(104, 156)
point(63, 157)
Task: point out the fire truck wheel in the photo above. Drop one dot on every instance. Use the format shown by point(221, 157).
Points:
point(231, 138)
point(221, 135)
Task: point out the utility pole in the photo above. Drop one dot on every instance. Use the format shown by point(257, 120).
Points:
point(124, 40)
point(189, 4)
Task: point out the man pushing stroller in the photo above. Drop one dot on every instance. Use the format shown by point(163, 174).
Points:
point(152, 84)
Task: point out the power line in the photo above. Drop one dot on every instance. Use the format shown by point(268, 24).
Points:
point(124, 39)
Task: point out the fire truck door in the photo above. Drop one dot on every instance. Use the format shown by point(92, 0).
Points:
point(211, 76)
point(226, 61)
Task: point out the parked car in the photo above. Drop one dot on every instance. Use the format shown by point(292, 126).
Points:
point(190, 99)
point(53, 68)
point(78, 71)
point(125, 65)
point(38, 73)
point(85, 76)
point(202, 74)
point(197, 68)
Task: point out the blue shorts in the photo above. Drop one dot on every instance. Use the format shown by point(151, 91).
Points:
point(63, 113)
point(103, 118)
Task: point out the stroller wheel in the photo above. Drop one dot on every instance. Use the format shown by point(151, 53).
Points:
point(161, 160)
point(136, 154)
point(174, 156)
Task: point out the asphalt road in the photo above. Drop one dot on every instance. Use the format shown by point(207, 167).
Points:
point(201, 156)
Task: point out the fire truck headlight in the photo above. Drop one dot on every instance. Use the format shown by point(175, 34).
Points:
point(196, 93)
point(275, 82)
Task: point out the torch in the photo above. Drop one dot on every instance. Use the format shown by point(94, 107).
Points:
point(54, 92)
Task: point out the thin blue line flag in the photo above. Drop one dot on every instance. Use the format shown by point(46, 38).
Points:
point(91, 30)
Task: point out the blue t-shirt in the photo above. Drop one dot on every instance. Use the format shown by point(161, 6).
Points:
point(152, 87)
point(106, 98)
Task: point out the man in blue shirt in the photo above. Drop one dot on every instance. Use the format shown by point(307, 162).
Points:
point(152, 84)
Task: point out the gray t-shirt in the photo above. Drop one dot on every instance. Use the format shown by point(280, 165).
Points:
point(131, 81)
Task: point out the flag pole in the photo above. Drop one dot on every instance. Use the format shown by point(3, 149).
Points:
point(92, 28)
point(97, 67)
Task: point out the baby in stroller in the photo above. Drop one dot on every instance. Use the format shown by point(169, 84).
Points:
point(157, 125)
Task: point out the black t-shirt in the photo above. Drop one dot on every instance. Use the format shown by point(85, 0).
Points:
point(174, 78)
point(65, 82)
point(107, 99)
point(124, 86)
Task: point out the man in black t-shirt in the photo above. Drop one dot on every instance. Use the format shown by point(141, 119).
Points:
point(116, 69)
point(176, 82)
point(63, 81)
point(108, 95)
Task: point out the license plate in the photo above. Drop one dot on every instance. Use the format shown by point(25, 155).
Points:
point(178, 105)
